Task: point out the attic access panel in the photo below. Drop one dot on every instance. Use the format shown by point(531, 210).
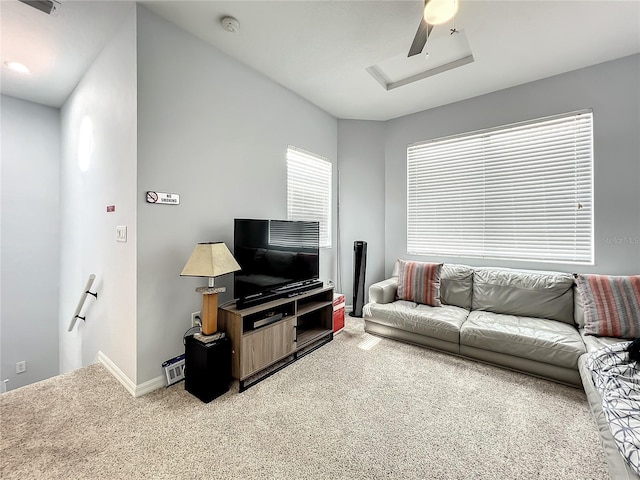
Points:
point(445, 50)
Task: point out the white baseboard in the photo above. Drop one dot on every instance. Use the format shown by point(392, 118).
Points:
point(150, 385)
point(132, 388)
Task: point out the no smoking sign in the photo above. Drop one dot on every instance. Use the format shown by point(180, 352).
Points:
point(163, 198)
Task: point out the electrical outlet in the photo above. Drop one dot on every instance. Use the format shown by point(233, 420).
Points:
point(21, 367)
point(196, 320)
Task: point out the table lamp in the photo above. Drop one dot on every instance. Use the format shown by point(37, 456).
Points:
point(210, 260)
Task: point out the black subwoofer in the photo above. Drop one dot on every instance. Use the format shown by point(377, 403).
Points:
point(359, 268)
point(207, 368)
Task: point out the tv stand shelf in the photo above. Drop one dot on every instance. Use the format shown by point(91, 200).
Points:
point(309, 336)
point(310, 307)
point(256, 353)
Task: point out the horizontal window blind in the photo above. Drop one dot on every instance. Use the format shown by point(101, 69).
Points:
point(298, 235)
point(520, 192)
point(309, 190)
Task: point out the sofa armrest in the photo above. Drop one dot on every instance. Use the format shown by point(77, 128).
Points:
point(384, 291)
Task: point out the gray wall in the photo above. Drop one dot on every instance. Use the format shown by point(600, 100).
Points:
point(610, 89)
point(215, 132)
point(361, 158)
point(30, 241)
point(107, 94)
point(177, 115)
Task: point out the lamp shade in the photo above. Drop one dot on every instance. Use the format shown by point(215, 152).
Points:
point(210, 260)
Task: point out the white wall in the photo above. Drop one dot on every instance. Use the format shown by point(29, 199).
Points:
point(30, 240)
point(215, 132)
point(361, 161)
point(107, 94)
point(610, 89)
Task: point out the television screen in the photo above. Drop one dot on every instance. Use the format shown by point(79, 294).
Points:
point(274, 254)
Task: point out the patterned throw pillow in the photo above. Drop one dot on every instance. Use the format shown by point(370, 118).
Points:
point(611, 305)
point(419, 282)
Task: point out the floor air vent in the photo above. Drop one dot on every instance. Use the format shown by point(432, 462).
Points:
point(174, 369)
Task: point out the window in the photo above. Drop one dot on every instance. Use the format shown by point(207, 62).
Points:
point(293, 234)
point(517, 192)
point(309, 190)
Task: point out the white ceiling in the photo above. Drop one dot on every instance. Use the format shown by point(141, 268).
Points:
point(321, 49)
point(58, 49)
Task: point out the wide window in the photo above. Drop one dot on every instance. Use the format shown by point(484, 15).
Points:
point(309, 190)
point(517, 192)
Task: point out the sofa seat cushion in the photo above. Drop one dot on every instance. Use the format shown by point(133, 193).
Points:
point(439, 322)
point(593, 343)
point(539, 339)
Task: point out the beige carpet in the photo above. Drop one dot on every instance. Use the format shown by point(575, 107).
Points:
point(393, 412)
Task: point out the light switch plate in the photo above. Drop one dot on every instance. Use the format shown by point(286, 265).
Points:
point(121, 234)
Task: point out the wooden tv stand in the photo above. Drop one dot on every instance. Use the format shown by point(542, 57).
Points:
point(276, 333)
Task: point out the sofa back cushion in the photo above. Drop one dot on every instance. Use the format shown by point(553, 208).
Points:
point(578, 308)
point(524, 293)
point(419, 282)
point(456, 285)
point(611, 305)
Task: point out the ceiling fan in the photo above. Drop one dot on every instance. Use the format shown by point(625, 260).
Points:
point(436, 12)
point(50, 7)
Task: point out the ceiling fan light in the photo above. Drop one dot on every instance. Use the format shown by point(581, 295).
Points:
point(440, 11)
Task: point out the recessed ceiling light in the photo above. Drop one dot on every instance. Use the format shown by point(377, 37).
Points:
point(17, 67)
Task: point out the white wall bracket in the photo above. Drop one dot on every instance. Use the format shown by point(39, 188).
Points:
point(83, 297)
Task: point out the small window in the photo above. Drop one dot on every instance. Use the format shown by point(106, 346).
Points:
point(293, 234)
point(517, 192)
point(309, 190)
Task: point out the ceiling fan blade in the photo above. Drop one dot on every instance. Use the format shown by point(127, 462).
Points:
point(419, 41)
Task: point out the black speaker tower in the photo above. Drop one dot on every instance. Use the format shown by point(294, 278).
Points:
point(359, 268)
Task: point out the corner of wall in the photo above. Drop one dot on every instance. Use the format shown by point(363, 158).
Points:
point(127, 383)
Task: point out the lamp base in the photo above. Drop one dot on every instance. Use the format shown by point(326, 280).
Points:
point(210, 290)
point(209, 313)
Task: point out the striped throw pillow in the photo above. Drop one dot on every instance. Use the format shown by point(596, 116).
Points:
point(419, 282)
point(611, 305)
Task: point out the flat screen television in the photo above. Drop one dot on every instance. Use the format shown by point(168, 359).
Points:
point(275, 256)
